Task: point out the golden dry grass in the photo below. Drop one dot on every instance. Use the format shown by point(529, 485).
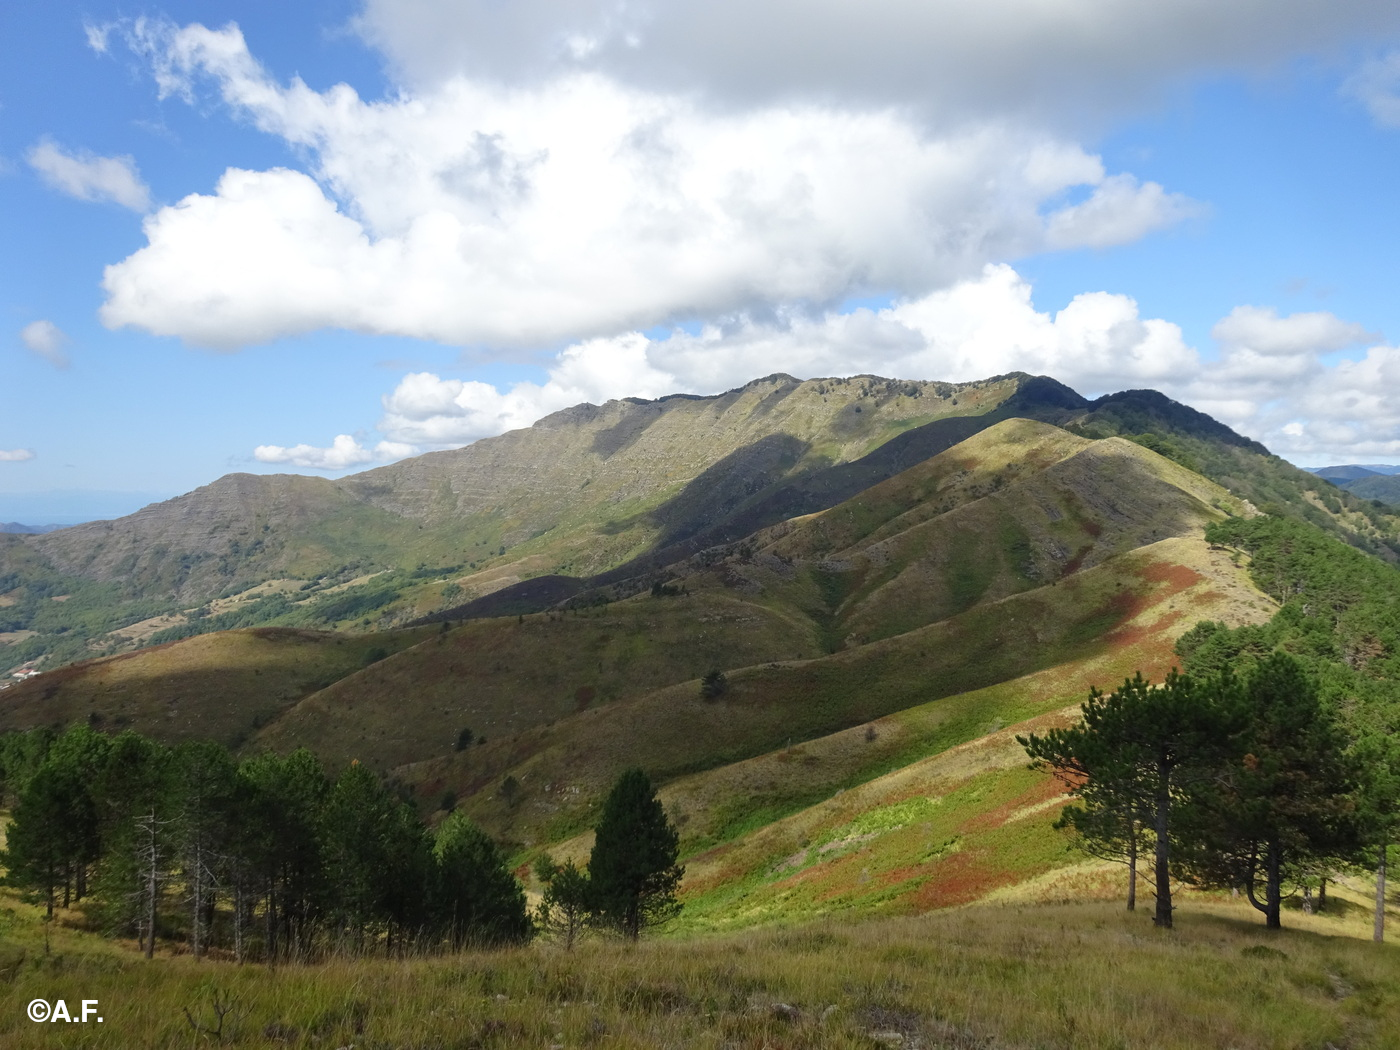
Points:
point(1083, 976)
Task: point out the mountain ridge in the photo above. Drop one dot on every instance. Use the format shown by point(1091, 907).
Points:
point(592, 496)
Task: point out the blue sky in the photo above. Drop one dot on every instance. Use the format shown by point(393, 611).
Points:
point(210, 265)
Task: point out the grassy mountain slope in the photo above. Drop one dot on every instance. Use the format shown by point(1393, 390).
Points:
point(216, 686)
point(1142, 600)
point(952, 826)
point(589, 497)
point(505, 676)
point(771, 601)
point(766, 601)
point(1244, 467)
point(879, 653)
point(578, 493)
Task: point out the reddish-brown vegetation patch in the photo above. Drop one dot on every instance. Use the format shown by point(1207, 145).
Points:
point(1178, 577)
point(1042, 791)
point(958, 879)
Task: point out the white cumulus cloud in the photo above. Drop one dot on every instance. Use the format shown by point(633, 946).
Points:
point(343, 453)
point(47, 340)
point(1275, 380)
point(16, 455)
point(89, 177)
point(1262, 330)
point(473, 213)
point(979, 327)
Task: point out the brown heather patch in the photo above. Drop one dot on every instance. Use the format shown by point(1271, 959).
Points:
point(1177, 576)
point(960, 878)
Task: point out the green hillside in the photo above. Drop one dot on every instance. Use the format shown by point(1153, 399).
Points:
point(870, 660)
point(1385, 488)
point(590, 498)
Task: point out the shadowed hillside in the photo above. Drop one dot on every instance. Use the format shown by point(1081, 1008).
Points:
point(213, 687)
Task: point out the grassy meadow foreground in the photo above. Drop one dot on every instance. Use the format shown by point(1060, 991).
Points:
point(1087, 976)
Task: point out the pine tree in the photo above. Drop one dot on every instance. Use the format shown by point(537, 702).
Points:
point(37, 841)
point(563, 906)
point(138, 802)
point(478, 900)
point(356, 823)
point(206, 778)
point(1283, 806)
point(1377, 757)
point(633, 866)
point(1130, 760)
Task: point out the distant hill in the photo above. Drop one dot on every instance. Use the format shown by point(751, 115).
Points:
point(1355, 471)
point(28, 530)
point(1374, 481)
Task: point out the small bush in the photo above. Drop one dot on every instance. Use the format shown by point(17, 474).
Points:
point(714, 685)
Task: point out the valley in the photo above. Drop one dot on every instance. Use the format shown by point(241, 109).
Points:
point(820, 634)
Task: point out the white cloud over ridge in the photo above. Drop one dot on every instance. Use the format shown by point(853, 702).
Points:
point(47, 340)
point(475, 214)
point(344, 452)
point(978, 328)
point(89, 177)
point(1269, 377)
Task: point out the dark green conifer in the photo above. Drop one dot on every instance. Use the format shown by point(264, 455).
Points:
point(633, 866)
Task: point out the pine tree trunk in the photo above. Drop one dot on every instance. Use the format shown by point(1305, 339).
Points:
point(238, 920)
point(270, 923)
point(1378, 933)
point(151, 907)
point(1273, 891)
point(1321, 896)
point(1161, 858)
point(197, 903)
point(1132, 867)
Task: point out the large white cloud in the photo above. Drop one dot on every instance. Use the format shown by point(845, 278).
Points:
point(1275, 379)
point(1262, 330)
point(1278, 379)
point(977, 328)
point(89, 177)
point(577, 207)
point(1050, 60)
